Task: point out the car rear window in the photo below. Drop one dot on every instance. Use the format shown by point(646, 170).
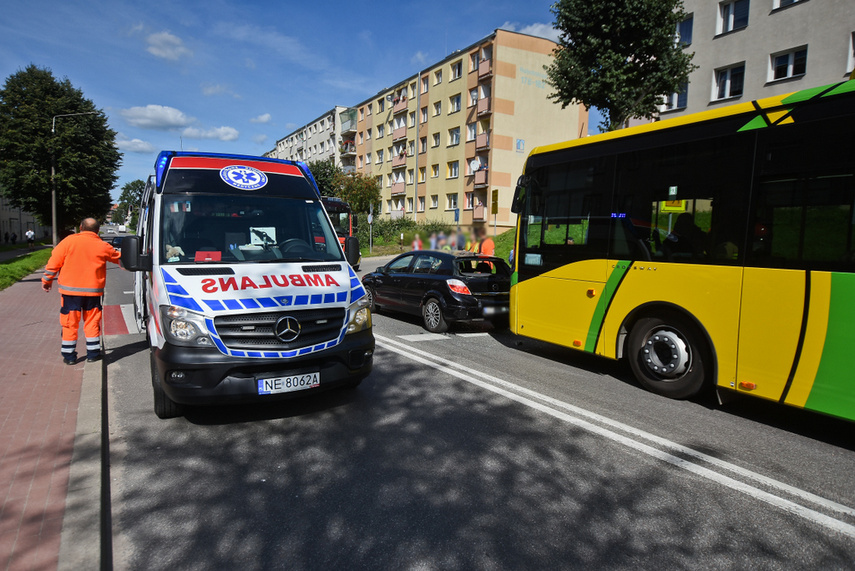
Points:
point(483, 266)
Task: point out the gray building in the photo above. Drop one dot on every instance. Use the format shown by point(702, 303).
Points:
point(318, 140)
point(16, 221)
point(751, 49)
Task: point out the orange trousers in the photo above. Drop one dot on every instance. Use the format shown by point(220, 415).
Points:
point(75, 307)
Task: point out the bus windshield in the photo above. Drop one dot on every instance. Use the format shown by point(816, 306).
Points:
point(245, 228)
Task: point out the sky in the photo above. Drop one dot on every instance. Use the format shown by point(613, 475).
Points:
point(233, 77)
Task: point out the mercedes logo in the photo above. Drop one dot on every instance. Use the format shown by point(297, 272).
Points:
point(287, 329)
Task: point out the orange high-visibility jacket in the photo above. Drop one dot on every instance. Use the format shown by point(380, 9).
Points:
point(83, 260)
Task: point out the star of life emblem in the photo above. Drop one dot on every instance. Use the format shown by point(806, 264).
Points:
point(243, 177)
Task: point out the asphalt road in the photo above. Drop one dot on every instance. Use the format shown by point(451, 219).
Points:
point(474, 450)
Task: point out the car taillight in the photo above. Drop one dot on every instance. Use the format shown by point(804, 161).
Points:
point(458, 286)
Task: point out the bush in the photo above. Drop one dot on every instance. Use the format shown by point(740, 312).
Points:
point(388, 232)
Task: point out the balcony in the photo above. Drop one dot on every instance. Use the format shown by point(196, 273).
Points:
point(348, 169)
point(399, 160)
point(399, 106)
point(484, 106)
point(348, 127)
point(481, 178)
point(348, 149)
point(485, 68)
point(399, 133)
point(482, 141)
point(479, 213)
point(398, 188)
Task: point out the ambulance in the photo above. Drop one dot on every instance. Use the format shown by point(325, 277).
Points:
point(242, 286)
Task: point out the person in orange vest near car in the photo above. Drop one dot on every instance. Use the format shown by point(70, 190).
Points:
point(484, 244)
point(80, 261)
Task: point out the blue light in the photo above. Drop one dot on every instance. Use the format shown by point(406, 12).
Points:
point(160, 166)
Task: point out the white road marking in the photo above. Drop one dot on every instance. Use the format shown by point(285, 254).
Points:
point(550, 406)
point(424, 337)
point(128, 292)
point(130, 319)
point(482, 334)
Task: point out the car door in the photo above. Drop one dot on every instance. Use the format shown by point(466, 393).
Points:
point(420, 279)
point(390, 279)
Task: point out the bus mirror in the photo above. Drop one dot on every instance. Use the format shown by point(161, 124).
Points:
point(132, 260)
point(519, 195)
point(351, 250)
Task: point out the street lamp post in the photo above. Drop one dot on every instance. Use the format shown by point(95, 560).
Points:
point(53, 168)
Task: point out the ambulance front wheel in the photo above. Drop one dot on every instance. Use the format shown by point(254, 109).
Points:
point(164, 407)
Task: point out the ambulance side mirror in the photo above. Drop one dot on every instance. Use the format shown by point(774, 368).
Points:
point(351, 249)
point(132, 259)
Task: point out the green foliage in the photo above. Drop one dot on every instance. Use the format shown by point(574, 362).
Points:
point(618, 55)
point(16, 269)
point(325, 173)
point(86, 158)
point(129, 201)
point(358, 190)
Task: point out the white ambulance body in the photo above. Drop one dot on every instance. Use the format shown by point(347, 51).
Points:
point(242, 286)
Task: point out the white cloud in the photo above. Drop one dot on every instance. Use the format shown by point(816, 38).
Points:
point(213, 89)
point(265, 118)
point(158, 117)
point(135, 146)
point(220, 133)
point(167, 46)
point(272, 42)
point(259, 139)
point(419, 58)
point(538, 29)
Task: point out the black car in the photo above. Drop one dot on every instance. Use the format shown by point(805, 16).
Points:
point(117, 242)
point(443, 287)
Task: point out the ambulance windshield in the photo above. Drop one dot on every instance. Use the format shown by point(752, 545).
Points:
point(211, 228)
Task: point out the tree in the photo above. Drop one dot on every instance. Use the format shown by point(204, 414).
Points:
point(621, 56)
point(358, 190)
point(83, 148)
point(129, 202)
point(325, 172)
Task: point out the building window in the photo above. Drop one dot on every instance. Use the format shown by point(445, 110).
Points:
point(361, 161)
point(473, 61)
point(381, 105)
point(413, 90)
point(473, 97)
point(424, 115)
point(412, 119)
point(421, 204)
point(437, 108)
point(369, 109)
point(471, 131)
point(729, 82)
point(422, 174)
point(435, 137)
point(361, 113)
point(379, 156)
point(456, 70)
point(454, 136)
point(451, 201)
point(454, 104)
point(437, 77)
point(684, 32)
point(389, 155)
point(434, 201)
point(409, 204)
point(732, 16)
point(410, 176)
point(423, 145)
point(788, 64)
point(468, 200)
point(453, 169)
point(411, 148)
point(381, 130)
point(434, 171)
point(361, 138)
point(368, 134)
point(425, 85)
point(783, 3)
point(677, 100)
point(368, 158)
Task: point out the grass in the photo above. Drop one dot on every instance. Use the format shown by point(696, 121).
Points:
point(11, 271)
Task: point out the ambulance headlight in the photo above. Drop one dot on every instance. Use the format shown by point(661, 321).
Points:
point(183, 327)
point(360, 316)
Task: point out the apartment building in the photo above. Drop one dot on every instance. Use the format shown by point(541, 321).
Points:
point(441, 142)
point(316, 141)
point(750, 49)
point(16, 221)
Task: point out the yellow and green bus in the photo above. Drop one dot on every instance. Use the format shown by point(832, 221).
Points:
point(714, 250)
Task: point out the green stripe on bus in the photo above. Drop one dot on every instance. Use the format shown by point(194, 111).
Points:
point(515, 278)
point(832, 389)
point(844, 87)
point(603, 303)
point(758, 122)
point(803, 95)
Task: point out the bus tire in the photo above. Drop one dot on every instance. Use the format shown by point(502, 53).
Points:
point(433, 318)
point(669, 356)
point(164, 407)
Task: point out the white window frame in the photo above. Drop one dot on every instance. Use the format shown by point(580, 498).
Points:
point(471, 131)
point(437, 108)
point(422, 174)
point(725, 19)
point(457, 70)
point(791, 59)
point(434, 171)
point(379, 156)
point(717, 78)
point(381, 131)
point(434, 201)
point(454, 104)
point(451, 201)
point(437, 77)
point(435, 140)
point(851, 65)
point(453, 169)
point(421, 204)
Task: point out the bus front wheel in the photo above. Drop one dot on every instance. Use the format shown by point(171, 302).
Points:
point(669, 356)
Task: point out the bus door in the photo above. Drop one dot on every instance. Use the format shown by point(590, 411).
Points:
point(562, 268)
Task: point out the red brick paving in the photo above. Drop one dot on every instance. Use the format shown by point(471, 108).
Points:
point(39, 397)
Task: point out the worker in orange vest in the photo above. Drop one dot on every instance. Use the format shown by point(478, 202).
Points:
point(82, 259)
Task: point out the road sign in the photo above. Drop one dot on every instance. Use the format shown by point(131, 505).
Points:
point(674, 206)
point(495, 202)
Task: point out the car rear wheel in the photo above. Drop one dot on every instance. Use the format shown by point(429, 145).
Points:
point(432, 314)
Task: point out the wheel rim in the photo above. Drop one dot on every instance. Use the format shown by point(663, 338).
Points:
point(432, 314)
point(666, 354)
point(370, 295)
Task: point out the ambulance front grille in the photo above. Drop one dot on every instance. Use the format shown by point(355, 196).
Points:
point(248, 331)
